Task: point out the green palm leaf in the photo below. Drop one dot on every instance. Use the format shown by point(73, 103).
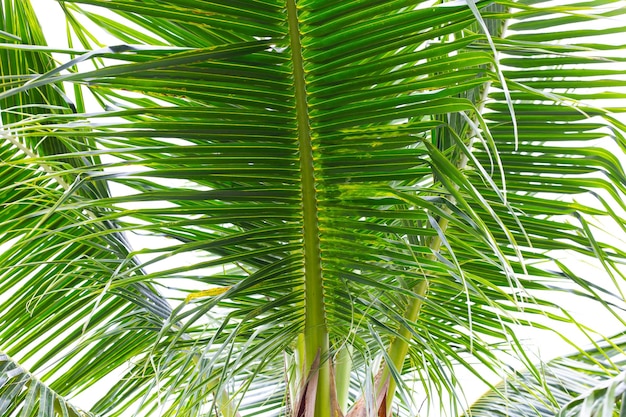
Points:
point(340, 184)
point(21, 392)
point(588, 374)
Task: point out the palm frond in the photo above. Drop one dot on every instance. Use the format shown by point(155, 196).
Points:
point(22, 393)
point(575, 382)
point(306, 176)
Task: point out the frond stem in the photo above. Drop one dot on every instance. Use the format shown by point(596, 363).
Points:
point(315, 327)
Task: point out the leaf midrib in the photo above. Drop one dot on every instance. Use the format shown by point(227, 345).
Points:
point(315, 328)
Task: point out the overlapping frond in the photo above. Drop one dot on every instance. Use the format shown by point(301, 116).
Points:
point(296, 179)
point(23, 393)
point(576, 381)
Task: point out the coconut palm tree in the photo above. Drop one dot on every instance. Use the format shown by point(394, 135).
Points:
point(309, 208)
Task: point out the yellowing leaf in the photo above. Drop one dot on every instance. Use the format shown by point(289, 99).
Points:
point(211, 292)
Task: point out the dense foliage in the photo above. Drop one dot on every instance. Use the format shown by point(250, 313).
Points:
point(309, 208)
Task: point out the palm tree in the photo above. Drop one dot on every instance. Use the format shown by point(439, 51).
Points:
point(309, 208)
